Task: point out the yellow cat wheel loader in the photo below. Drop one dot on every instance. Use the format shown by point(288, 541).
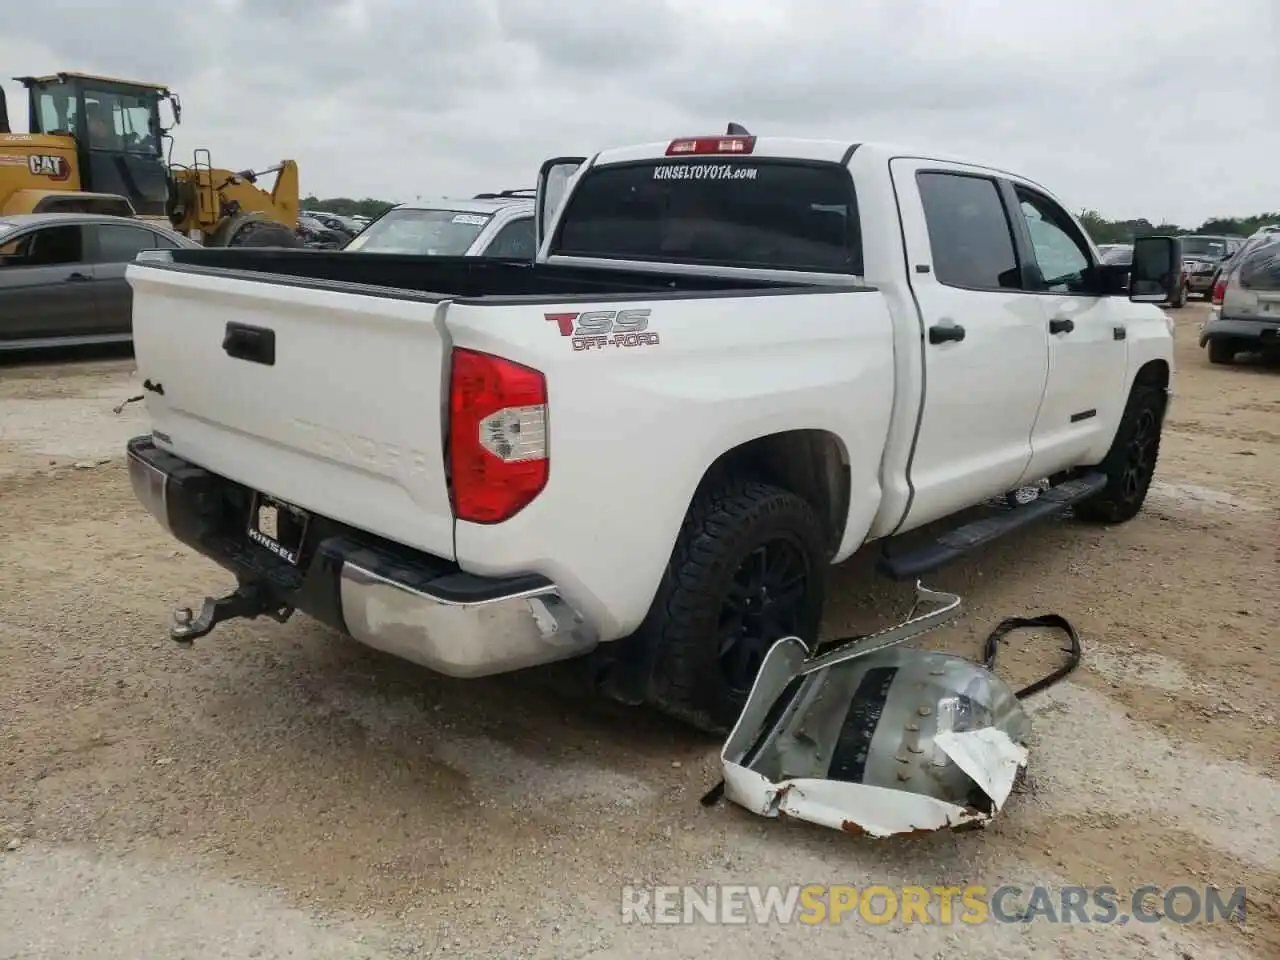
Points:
point(96, 145)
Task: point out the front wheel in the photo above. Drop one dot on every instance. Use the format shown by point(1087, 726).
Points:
point(1130, 464)
point(748, 569)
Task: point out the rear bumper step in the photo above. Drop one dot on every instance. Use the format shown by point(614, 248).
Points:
point(1265, 333)
point(955, 543)
point(401, 601)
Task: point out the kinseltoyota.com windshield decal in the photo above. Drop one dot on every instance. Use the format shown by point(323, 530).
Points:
point(708, 171)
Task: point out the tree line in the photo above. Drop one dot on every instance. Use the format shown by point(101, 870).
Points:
point(1123, 231)
point(1100, 228)
point(346, 207)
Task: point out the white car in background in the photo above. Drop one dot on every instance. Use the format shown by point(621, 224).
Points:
point(486, 225)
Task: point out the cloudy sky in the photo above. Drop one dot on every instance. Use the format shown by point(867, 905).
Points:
point(1155, 108)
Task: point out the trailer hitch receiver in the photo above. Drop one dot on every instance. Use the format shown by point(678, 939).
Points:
point(249, 601)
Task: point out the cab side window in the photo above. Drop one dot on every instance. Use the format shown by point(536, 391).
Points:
point(969, 233)
point(513, 240)
point(1062, 254)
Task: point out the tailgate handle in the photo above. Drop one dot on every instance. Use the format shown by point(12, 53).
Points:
point(255, 344)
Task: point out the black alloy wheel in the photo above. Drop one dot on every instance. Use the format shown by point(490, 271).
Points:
point(765, 602)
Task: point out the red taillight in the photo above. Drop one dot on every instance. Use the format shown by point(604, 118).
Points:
point(1219, 292)
point(497, 436)
point(701, 146)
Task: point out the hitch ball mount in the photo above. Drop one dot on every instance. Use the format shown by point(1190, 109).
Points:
point(249, 601)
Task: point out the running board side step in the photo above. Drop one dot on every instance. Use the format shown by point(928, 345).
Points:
point(954, 544)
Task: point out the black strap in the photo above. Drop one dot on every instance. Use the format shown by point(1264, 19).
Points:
point(1053, 620)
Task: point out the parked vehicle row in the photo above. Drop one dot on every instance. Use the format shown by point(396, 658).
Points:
point(747, 357)
point(316, 235)
point(332, 221)
point(1203, 256)
point(62, 275)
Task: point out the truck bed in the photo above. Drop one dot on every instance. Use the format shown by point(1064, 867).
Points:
point(462, 279)
point(322, 379)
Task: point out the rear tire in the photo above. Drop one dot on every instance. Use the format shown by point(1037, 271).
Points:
point(1130, 464)
point(1222, 351)
point(748, 569)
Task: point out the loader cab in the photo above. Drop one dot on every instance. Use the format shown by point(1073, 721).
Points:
point(116, 126)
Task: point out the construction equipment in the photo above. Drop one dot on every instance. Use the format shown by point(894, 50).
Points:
point(97, 145)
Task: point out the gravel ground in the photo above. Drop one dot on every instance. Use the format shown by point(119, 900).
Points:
point(278, 791)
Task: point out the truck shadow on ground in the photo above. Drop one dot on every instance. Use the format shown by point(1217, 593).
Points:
point(328, 738)
point(531, 713)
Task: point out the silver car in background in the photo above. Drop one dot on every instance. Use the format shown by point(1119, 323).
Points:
point(1246, 315)
point(486, 225)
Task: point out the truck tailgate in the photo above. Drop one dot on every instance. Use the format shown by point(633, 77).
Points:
point(331, 401)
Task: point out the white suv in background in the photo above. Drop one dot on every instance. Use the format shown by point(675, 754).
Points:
point(486, 225)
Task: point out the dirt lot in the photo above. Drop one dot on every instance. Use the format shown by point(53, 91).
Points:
point(278, 791)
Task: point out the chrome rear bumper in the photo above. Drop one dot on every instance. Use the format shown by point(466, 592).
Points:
point(456, 637)
point(405, 603)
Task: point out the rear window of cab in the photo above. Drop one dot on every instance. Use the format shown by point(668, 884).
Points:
point(755, 213)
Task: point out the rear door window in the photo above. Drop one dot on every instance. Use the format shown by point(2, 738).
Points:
point(118, 243)
point(513, 240)
point(754, 213)
point(969, 232)
point(1260, 267)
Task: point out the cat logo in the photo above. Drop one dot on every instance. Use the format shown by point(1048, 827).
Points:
point(48, 165)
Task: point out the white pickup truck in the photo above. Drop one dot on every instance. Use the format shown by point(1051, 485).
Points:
point(734, 361)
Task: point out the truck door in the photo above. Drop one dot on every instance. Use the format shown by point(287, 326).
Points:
point(984, 337)
point(1088, 355)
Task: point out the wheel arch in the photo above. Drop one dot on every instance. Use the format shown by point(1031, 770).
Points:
point(811, 463)
point(1153, 373)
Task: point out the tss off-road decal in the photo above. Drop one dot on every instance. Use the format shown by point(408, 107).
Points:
point(597, 329)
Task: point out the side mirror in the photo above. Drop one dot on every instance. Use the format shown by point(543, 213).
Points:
point(1156, 272)
point(552, 180)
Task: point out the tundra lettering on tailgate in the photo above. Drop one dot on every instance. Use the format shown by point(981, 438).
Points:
point(597, 329)
point(368, 453)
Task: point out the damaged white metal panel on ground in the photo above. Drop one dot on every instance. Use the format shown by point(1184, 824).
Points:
point(872, 738)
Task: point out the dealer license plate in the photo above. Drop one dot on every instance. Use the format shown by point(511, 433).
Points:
point(278, 526)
